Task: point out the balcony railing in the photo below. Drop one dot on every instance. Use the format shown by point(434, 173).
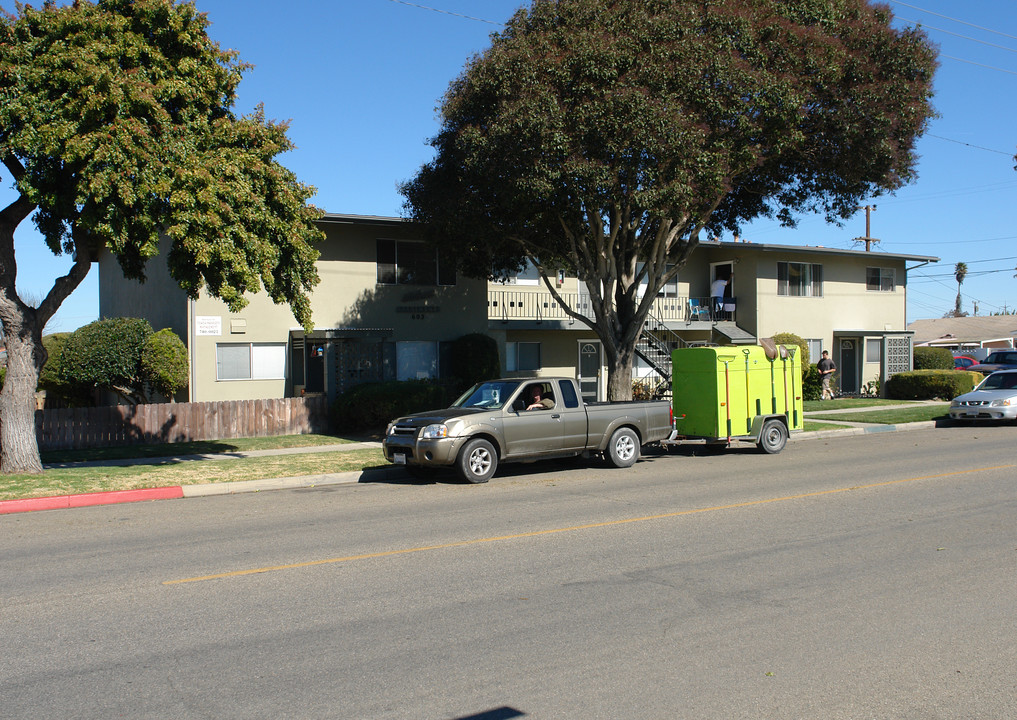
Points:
point(521, 305)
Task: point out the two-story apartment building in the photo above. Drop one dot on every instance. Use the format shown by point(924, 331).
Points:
point(852, 303)
point(388, 307)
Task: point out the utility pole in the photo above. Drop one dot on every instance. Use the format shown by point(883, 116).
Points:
point(868, 239)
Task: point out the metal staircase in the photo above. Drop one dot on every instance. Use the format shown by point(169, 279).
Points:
point(654, 346)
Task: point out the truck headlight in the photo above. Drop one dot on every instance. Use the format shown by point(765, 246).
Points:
point(432, 432)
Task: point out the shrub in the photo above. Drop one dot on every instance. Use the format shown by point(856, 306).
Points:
point(930, 384)
point(930, 358)
point(107, 354)
point(812, 386)
point(475, 358)
point(164, 363)
point(786, 338)
point(369, 407)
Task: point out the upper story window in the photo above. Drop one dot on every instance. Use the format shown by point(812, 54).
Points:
point(408, 262)
point(670, 289)
point(880, 279)
point(529, 275)
point(799, 279)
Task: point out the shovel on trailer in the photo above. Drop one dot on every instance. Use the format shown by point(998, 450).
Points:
point(727, 391)
point(794, 397)
point(748, 405)
point(784, 352)
point(770, 349)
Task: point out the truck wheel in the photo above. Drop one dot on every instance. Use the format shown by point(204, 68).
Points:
point(477, 461)
point(773, 438)
point(623, 448)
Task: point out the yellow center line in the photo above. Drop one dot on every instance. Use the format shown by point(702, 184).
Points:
point(575, 528)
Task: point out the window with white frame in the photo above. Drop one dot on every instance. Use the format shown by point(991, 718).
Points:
point(522, 356)
point(799, 279)
point(250, 361)
point(815, 349)
point(879, 279)
point(407, 262)
point(874, 350)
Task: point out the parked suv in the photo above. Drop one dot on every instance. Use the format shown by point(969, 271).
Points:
point(999, 360)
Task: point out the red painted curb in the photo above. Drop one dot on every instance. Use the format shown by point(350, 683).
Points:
point(59, 502)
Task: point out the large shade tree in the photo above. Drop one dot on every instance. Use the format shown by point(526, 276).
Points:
point(606, 137)
point(117, 128)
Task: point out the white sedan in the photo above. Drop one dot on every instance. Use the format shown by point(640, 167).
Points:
point(995, 398)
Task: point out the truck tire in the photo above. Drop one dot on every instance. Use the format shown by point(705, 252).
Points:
point(623, 448)
point(773, 437)
point(477, 461)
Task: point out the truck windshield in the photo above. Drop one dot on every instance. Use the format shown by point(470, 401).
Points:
point(487, 395)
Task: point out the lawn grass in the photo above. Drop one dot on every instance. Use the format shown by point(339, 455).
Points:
point(919, 413)
point(846, 403)
point(816, 426)
point(195, 447)
point(85, 479)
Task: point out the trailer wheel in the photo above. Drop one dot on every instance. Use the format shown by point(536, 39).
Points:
point(477, 461)
point(773, 437)
point(623, 448)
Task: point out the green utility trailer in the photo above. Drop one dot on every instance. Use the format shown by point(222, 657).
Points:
point(743, 392)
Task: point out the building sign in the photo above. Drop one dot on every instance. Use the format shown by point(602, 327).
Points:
point(210, 325)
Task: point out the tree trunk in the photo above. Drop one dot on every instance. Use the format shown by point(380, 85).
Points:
point(19, 448)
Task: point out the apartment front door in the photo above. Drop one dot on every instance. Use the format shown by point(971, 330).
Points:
point(848, 365)
point(589, 370)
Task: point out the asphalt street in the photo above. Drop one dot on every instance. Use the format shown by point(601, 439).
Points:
point(868, 576)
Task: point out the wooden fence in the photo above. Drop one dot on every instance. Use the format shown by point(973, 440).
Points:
point(77, 428)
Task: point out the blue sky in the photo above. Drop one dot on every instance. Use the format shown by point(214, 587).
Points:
point(360, 81)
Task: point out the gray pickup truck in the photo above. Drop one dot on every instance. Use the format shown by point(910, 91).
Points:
point(491, 423)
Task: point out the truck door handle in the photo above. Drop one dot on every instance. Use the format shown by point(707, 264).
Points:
point(556, 416)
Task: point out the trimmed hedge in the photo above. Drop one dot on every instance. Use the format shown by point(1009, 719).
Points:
point(371, 406)
point(931, 384)
point(933, 358)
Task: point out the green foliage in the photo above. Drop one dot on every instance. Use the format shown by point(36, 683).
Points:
point(606, 137)
point(931, 384)
point(930, 358)
point(58, 390)
point(371, 406)
point(107, 354)
point(164, 363)
point(812, 385)
point(475, 358)
point(119, 114)
point(786, 338)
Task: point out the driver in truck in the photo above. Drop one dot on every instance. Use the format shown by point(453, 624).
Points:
point(535, 399)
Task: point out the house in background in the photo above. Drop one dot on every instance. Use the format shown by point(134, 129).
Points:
point(976, 335)
point(388, 307)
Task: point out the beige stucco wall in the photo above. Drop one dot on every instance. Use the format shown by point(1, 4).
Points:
point(348, 296)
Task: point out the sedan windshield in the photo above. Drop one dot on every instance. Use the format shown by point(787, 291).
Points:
point(487, 395)
point(1000, 381)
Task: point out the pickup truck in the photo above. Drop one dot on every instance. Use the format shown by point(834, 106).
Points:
point(491, 424)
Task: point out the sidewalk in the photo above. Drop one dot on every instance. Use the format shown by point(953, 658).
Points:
point(309, 481)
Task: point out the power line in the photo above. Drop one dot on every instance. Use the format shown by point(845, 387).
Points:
point(978, 64)
point(952, 19)
point(448, 12)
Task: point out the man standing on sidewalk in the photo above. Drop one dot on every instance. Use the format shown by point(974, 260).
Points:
point(826, 369)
